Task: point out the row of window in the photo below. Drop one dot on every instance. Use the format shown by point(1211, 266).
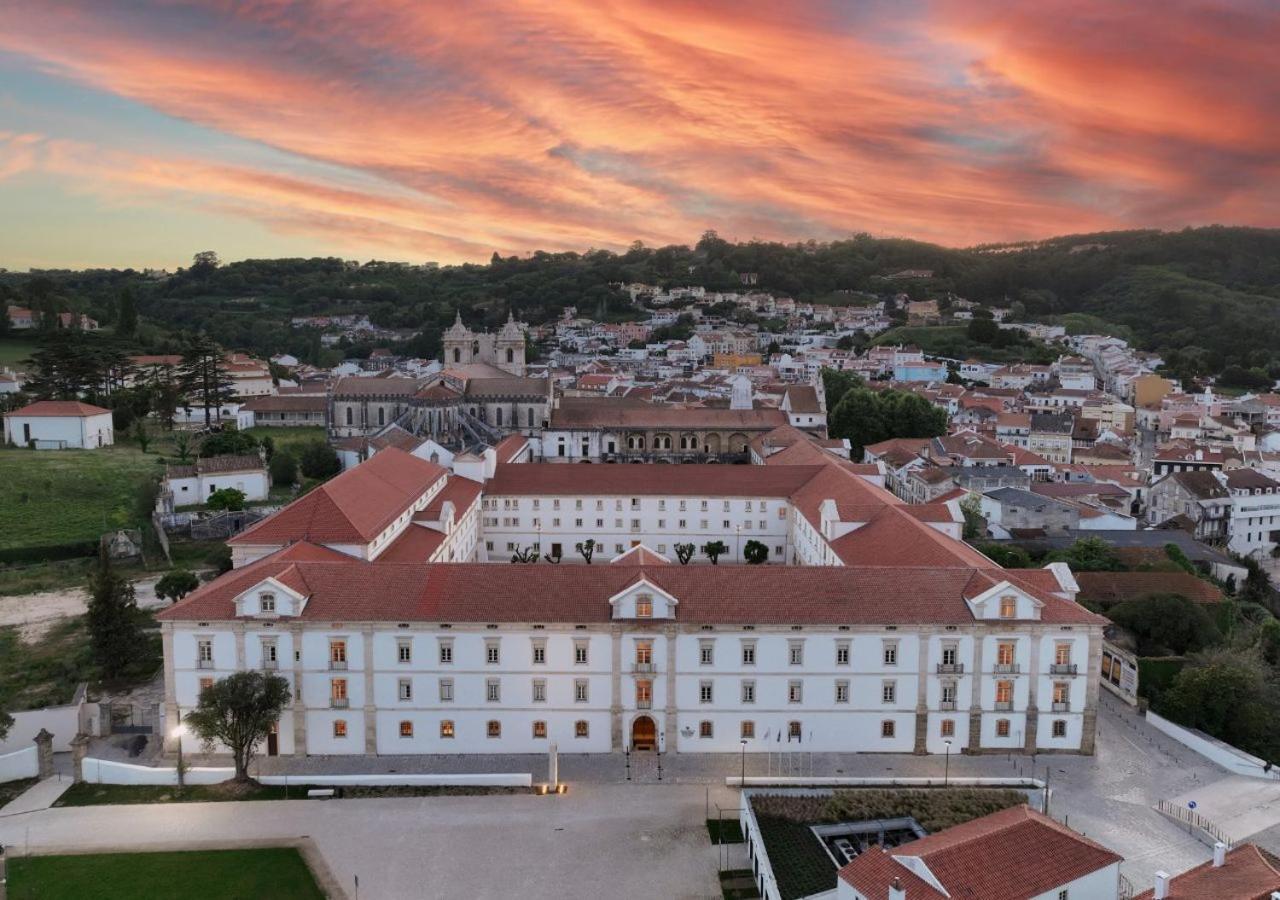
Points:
point(619, 524)
point(1006, 651)
point(493, 729)
point(682, 505)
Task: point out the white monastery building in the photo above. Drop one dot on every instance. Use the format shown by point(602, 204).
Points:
point(386, 597)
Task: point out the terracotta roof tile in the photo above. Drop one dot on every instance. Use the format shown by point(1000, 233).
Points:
point(1248, 873)
point(43, 408)
point(352, 508)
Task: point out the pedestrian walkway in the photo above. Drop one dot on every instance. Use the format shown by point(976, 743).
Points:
point(1240, 806)
point(40, 795)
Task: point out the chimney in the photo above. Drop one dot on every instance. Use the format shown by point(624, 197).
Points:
point(1162, 886)
point(1219, 855)
point(896, 890)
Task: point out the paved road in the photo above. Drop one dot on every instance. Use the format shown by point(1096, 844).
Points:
point(641, 838)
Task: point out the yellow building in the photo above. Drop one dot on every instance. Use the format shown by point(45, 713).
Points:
point(1149, 390)
point(733, 360)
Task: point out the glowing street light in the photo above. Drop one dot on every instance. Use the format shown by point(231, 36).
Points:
point(946, 770)
point(178, 731)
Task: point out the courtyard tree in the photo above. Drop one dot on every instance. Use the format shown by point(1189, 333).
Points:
point(587, 548)
point(755, 552)
point(713, 550)
point(525, 555)
point(319, 460)
point(1166, 624)
point(284, 468)
point(239, 712)
point(176, 584)
point(684, 553)
point(231, 499)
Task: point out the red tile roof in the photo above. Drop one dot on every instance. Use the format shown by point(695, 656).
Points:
point(59, 408)
point(1249, 873)
point(353, 508)
point(356, 590)
point(1009, 855)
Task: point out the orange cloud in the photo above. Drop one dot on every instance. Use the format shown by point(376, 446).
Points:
point(509, 126)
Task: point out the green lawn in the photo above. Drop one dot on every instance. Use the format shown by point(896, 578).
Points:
point(85, 794)
point(57, 497)
point(14, 350)
point(277, 872)
point(290, 437)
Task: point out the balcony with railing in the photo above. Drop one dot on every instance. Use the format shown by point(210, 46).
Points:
point(1061, 706)
point(271, 664)
point(1004, 705)
point(642, 668)
point(644, 704)
point(1063, 669)
point(946, 705)
point(950, 668)
point(337, 665)
point(1006, 668)
point(339, 703)
point(204, 664)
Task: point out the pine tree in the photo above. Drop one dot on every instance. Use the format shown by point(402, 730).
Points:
point(115, 633)
point(203, 376)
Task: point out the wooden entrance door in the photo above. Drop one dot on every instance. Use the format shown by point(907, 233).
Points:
point(644, 734)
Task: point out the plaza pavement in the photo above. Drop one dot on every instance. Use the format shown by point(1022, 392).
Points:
point(608, 837)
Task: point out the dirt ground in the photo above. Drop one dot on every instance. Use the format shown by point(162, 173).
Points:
point(35, 614)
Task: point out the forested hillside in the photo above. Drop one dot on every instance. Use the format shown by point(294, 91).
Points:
point(1207, 298)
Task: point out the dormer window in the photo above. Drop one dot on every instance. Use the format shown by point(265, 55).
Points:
point(268, 603)
point(1008, 607)
point(644, 607)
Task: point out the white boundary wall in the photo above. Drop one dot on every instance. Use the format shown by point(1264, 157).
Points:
point(63, 722)
point(1230, 758)
point(102, 771)
point(19, 764)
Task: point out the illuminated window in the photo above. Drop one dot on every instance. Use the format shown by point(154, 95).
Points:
point(1008, 607)
point(494, 729)
point(339, 728)
point(748, 729)
point(446, 728)
point(539, 729)
point(948, 728)
point(406, 729)
point(644, 607)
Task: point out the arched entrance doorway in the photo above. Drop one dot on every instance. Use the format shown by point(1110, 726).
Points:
point(644, 734)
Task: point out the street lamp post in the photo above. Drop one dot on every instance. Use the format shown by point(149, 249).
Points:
point(178, 731)
point(946, 766)
point(743, 783)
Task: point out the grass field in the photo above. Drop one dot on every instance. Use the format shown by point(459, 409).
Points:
point(14, 350)
point(278, 872)
point(65, 496)
point(290, 437)
point(46, 672)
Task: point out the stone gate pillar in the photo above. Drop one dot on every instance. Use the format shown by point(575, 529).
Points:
point(44, 753)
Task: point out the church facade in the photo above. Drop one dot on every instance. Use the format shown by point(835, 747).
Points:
point(504, 350)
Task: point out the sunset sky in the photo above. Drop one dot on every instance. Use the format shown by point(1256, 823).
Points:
point(136, 133)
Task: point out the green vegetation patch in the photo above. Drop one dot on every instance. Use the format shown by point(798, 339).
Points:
point(725, 831)
point(277, 872)
point(800, 862)
point(14, 351)
point(11, 789)
point(54, 498)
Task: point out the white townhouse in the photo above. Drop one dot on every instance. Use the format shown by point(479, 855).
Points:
point(59, 425)
point(1254, 525)
point(191, 483)
point(645, 654)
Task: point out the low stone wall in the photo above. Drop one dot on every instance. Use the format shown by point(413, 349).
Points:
point(1233, 759)
point(102, 771)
